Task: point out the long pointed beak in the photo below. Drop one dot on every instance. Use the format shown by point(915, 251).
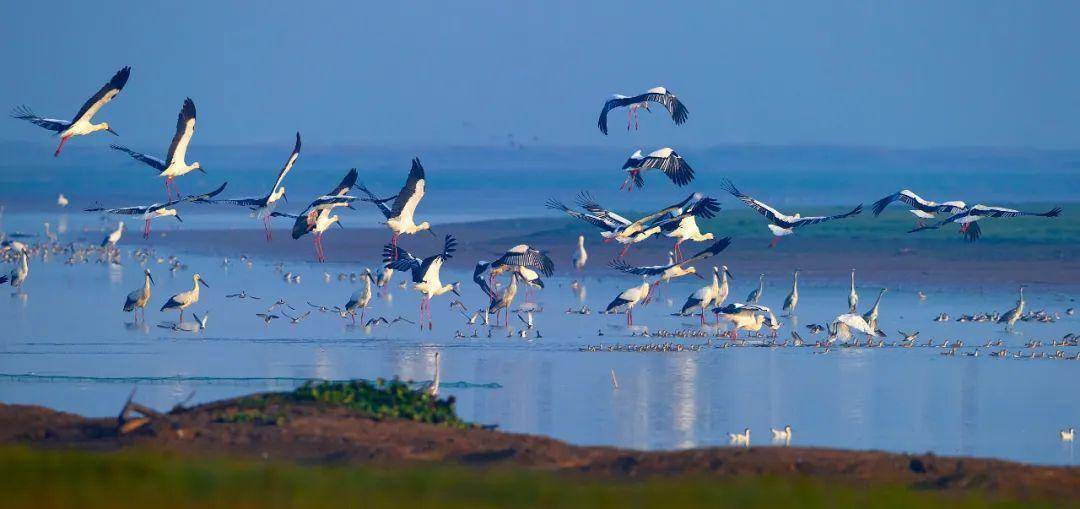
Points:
point(456, 292)
point(729, 274)
point(285, 197)
point(151, 279)
point(339, 224)
point(114, 133)
point(178, 218)
point(699, 276)
point(202, 282)
point(432, 232)
point(202, 170)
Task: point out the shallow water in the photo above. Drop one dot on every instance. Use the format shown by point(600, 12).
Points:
point(67, 345)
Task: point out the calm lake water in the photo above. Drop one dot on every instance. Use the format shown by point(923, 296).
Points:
point(67, 345)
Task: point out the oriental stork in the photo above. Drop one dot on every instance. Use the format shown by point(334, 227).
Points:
point(174, 164)
point(425, 273)
point(667, 272)
point(627, 299)
point(686, 228)
point(399, 218)
point(667, 218)
point(714, 294)
point(781, 224)
point(666, 160)
point(360, 298)
point(527, 262)
point(659, 95)
point(183, 300)
point(156, 210)
point(842, 326)
point(81, 124)
point(262, 207)
point(748, 317)
point(922, 209)
point(317, 217)
point(137, 299)
point(498, 302)
point(967, 218)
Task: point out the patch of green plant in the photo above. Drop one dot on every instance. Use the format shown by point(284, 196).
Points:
point(382, 399)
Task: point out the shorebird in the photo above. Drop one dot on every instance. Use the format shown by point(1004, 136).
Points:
point(967, 218)
point(781, 224)
point(174, 164)
point(853, 296)
point(658, 95)
point(360, 298)
point(433, 389)
point(842, 325)
point(242, 294)
point(156, 210)
point(383, 277)
point(629, 298)
point(666, 160)
point(498, 302)
point(81, 124)
point(872, 315)
point(748, 317)
point(399, 218)
point(922, 209)
point(113, 237)
point(262, 207)
point(425, 273)
point(580, 255)
point(1010, 317)
point(137, 299)
point(706, 296)
point(792, 299)
point(183, 300)
point(755, 295)
point(18, 275)
point(317, 217)
point(742, 439)
point(673, 269)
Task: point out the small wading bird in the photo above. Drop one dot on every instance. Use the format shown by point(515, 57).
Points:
point(781, 224)
point(183, 300)
point(675, 269)
point(967, 218)
point(627, 299)
point(62, 200)
point(711, 295)
point(156, 210)
point(755, 295)
point(666, 160)
point(18, 275)
point(316, 218)
point(262, 207)
point(399, 218)
point(433, 389)
point(137, 299)
point(921, 209)
point(425, 273)
point(81, 124)
point(174, 165)
point(659, 95)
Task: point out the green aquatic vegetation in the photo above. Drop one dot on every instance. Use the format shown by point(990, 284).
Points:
point(382, 399)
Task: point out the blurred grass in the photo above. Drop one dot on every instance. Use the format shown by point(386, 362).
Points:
point(48, 479)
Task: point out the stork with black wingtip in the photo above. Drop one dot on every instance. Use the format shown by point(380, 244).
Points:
point(666, 160)
point(781, 224)
point(318, 217)
point(157, 210)
point(400, 218)
point(81, 124)
point(659, 95)
point(968, 217)
point(425, 273)
point(262, 207)
point(174, 164)
point(921, 208)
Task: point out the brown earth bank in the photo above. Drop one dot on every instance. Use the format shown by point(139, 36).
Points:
point(260, 427)
point(887, 261)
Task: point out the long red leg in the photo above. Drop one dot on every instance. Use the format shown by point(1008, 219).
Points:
point(623, 253)
point(63, 139)
point(775, 240)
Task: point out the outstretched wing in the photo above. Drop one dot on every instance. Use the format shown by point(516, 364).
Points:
point(125, 211)
point(617, 102)
point(52, 124)
point(675, 107)
point(345, 185)
point(672, 164)
point(715, 248)
point(588, 218)
point(525, 256)
point(204, 197)
point(803, 221)
point(1004, 212)
point(148, 160)
point(185, 128)
point(652, 270)
point(399, 259)
point(106, 94)
point(243, 202)
point(411, 193)
point(288, 164)
point(773, 215)
point(449, 246)
point(586, 201)
point(478, 278)
point(379, 202)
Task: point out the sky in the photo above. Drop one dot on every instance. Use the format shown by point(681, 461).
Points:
point(909, 74)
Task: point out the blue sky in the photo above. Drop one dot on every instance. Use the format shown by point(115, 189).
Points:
point(893, 74)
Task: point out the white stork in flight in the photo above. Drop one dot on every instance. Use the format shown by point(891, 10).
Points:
point(781, 224)
point(673, 270)
point(399, 218)
point(425, 273)
point(81, 124)
point(156, 210)
point(263, 207)
point(658, 95)
point(922, 209)
point(174, 164)
point(317, 218)
point(967, 218)
point(666, 160)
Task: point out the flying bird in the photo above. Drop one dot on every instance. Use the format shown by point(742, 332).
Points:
point(781, 224)
point(921, 209)
point(174, 164)
point(968, 217)
point(262, 207)
point(81, 124)
point(425, 273)
point(659, 95)
point(156, 210)
point(666, 160)
point(399, 218)
point(317, 217)
point(673, 270)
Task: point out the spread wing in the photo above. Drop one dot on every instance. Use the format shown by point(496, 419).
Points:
point(204, 197)
point(588, 218)
point(148, 160)
point(411, 193)
point(616, 102)
point(379, 202)
point(185, 128)
point(345, 185)
point(651, 270)
point(586, 201)
point(106, 94)
point(399, 259)
point(52, 124)
point(525, 256)
point(715, 248)
point(674, 166)
point(288, 165)
point(803, 221)
point(773, 215)
point(675, 107)
point(126, 211)
point(1004, 212)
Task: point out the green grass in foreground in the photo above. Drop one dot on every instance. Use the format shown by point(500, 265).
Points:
point(46, 479)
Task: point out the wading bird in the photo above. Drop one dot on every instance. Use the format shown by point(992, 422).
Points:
point(967, 218)
point(137, 299)
point(425, 273)
point(262, 207)
point(872, 315)
point(317, 217)
point(498, 302)
point(627, 299)
point(659, 95)
point(792, 299)
point(921, 209)
point(360, 298)
point(666, 160)
point(755, 295)
point(17, 276)
point(853, 296)
point(81, 124)
point(711, 295)
point(781, 224)
point(156, 210)
point(183, 300)
point(1010, 317)
point(528, 263)
point(842, 326)
point(110, 240)
point(748, 317)
point(673, 270)
point(580, 255)
point(174, 165)
point(399, 218)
